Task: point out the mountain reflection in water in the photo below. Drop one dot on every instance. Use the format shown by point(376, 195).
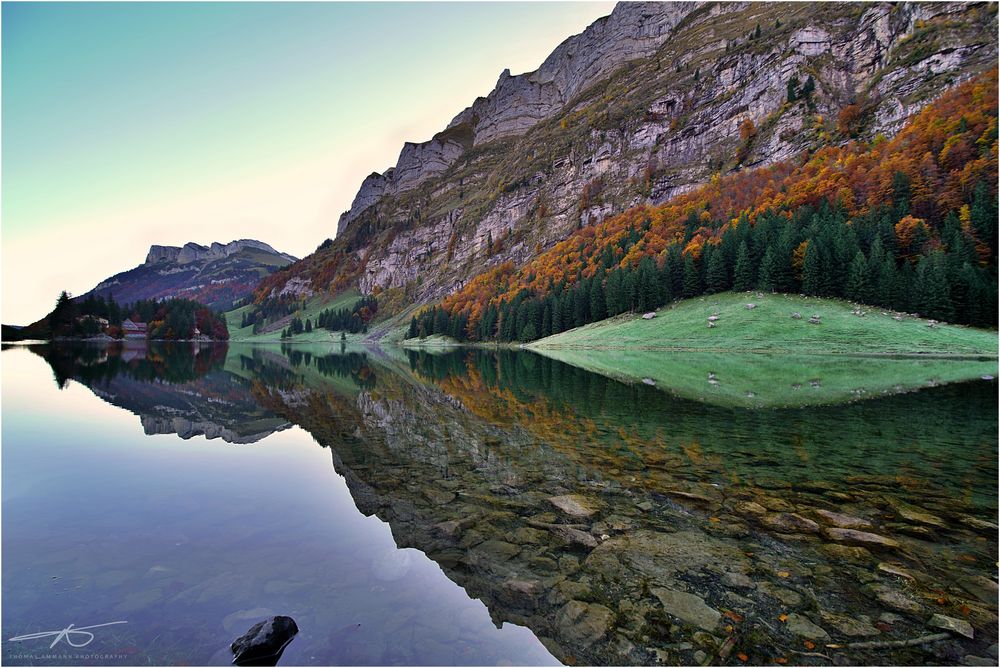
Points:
point(629, 523)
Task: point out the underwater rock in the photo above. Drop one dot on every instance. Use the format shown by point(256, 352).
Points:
point(688, 608)
point(843, 521)
point(959, 626)
point(862, 538)
point(801, 626)
point(574, 505)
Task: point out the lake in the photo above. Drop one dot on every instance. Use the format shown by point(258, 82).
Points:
point(476, 507)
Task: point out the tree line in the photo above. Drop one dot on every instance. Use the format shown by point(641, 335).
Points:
point(354, 320)
point(167, 319)
point(883, 258)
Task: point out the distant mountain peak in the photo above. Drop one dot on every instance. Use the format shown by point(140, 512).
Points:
point(193, 252)
point(216, 275)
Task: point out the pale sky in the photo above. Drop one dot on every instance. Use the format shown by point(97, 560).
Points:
point(131, 124)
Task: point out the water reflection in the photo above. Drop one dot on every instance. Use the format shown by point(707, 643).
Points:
point(174, 388)
point(623, 523)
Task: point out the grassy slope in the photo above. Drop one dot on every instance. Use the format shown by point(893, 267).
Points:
point(312, 310)
point(770, 328)
point(436, 342)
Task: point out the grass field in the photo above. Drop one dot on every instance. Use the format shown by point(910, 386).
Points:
point(435, 341)
point(312, 310)
point(770, 327)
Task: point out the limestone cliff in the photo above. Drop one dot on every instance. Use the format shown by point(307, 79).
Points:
point(644, 104)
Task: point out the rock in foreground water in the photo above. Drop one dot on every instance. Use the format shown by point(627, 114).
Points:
point(263, 644)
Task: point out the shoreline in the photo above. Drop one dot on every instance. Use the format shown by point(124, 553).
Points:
point(541, 348)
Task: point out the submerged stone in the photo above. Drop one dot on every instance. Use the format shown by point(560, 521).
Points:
point(959, 626)
point(584, 623)
point(790, 598)
point(688, 608)
point(862, 538)
point(860, 625)
point(789, 523)
point(574, 536)
point(895, 570)
point(749, 508)
point(802, 626)
point(843, 521)
point(896, 600)
point(738, 580)
point(978, 524)
point(913, 513)
point(574, 505)
point(660, 556)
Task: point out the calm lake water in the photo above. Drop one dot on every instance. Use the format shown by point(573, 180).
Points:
point(491, 508)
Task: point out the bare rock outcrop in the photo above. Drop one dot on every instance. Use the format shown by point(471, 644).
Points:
point(646, 104)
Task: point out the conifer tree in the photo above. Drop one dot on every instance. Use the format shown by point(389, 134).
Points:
point(716, 279)
point(614, 293)
point(743, 275)
point(692, 281)
point(598, 308)
point(858, 286)
point(932, 287)
point(768, 270)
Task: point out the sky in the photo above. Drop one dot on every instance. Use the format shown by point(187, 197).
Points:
point(131, 124)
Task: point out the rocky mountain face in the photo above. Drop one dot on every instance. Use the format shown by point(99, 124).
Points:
point(215, 275)
point(643, 105)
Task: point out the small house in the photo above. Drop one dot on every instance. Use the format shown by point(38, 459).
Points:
point(133, 330)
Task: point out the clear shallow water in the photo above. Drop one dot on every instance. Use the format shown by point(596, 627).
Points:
point(452, 461)
point(191, 542)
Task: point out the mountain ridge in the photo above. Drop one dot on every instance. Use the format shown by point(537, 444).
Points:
point(216, 275)
point(192, 252)
point(654, 127)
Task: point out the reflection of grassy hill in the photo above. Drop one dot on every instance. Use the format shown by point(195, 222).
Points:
point(294, 365)
point(770, 327)
point(771, 381)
